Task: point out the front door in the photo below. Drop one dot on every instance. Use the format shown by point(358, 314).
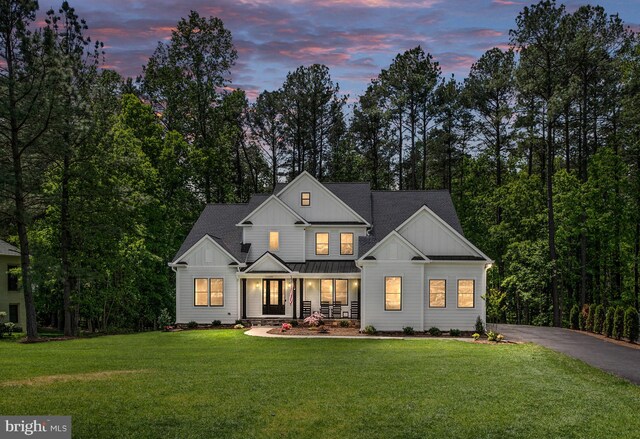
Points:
point(272, 297)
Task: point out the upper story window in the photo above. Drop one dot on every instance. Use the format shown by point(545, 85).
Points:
point(274, 241)
point(466, 293)
point(346, 243)
point(305, 199)
point(322, 243)
point(12, 278)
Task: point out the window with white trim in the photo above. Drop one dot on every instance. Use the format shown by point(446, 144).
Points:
point(437, 293)
point(208, 291)
point(392, 293)
point(322, 243)
point(346, 243)
point(466, 292)
point(274, 241)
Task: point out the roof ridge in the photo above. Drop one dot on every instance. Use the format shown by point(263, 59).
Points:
point(410, 190)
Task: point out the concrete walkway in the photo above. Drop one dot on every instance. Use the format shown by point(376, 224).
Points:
point(263, 331)
point(610, 357)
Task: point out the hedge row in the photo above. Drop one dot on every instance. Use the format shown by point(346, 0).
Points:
point(613, 322)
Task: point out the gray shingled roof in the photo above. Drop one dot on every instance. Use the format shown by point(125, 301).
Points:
point(392, 208)
point(7, 249)
point(386, 210)
point(219, 221)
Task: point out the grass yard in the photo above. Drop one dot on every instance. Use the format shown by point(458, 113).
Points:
point(223, 384)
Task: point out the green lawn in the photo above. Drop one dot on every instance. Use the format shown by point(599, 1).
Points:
point(223, 384)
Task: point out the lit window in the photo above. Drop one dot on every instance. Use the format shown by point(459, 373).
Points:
point(465, 293)
point(437, 293)
point(305, 198)
point(201, 291)
point(326, 290)
point(274, 241)
point(341, 291)
point(393, 293)
point(346, 243)
point(216, 292)
point(322, 243)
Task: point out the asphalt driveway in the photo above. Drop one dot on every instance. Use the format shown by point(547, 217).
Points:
point(618, 360)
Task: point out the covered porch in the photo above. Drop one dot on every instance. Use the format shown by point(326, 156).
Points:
point(296, 294)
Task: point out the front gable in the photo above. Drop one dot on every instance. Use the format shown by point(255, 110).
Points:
point(272, 212)
point(268, 263)
point(394, 248)
point(434, 237)
point(206, 252)
point(325, 206)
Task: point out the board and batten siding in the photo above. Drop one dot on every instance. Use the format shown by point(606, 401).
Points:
point(452, 317)
point(206, 260)
point(373, 300)
point(324, 205)
point(431, 237)
point(334, 242)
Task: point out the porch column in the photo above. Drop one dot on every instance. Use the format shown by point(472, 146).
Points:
point(244, 299)
point(359, 302)
point(301, 295)
point(295, 293)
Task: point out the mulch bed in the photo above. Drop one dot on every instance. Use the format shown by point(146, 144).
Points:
point(622, 342)
point(340, 331)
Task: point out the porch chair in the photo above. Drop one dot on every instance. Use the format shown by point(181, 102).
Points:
point(324, 309)
point(336, 311)
point(355, 310)
point(306, 308)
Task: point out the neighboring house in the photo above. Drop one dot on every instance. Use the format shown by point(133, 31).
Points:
point(388, 258)
point(11, 297)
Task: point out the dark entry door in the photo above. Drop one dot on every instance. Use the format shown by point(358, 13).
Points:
point(272, 297)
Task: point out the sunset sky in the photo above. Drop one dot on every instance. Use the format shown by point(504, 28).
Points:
point(354, 38)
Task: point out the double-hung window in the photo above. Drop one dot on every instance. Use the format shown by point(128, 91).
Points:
point(392, 293)
point(466, 293)
point(322, 243)
point(437, 293)
point(208, 291)
point(346, 243)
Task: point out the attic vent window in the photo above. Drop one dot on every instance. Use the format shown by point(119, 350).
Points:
point(305, 199)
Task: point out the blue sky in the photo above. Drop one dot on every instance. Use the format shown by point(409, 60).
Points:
point(354, 38)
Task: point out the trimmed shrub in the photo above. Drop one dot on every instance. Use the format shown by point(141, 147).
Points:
point(408, 330)
point(573, 316)
point(239, 322)
point(345, 323)
point(590, 315)
point(582, 317)
point(435, 331)
point(165, 318)
point(491, 336)
point(294, 323)
point(369, 329)
point(631, 327)
point(598, 319)
point(479, 325)
point(216, 323)
point(192, 324)
point(476, 336)
point(607, 328)
point(455, 332)
point(618, 323)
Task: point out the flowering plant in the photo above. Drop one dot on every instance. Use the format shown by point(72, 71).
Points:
point(168, 328)
point(238, 326)
point(286, 326)
point(499, 337)
point(315, 319)
point(476, 336)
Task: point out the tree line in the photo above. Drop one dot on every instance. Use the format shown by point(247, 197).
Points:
point(102, 176)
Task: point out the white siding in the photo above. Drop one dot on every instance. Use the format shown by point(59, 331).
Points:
point(324, 205)
point(206, 253)
point(11, 297)
point(394, 249)
point(267, 263)
point(272, 212)
point(453, 317)
point(334, 242)
point(185, 309)
point(373, 312)
point(291, 242)
point(431, 237)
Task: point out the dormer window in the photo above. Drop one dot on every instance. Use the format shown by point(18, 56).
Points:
point(305, 199)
